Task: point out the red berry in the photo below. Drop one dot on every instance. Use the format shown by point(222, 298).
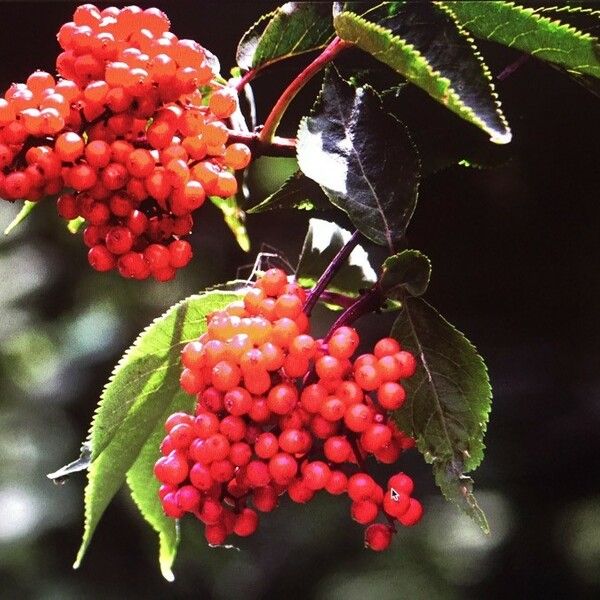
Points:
point(413, 515)
point(378, 536)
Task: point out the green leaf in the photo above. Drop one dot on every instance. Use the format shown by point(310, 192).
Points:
point(234, 219)
point(74, 225)
point(458, 489)
point(21, 216)
point(448, 399)
point(298, 191)
point(408, 271)
point(142, 391)
point(291, 29)
point(423, 42)
point(525, 29)
point(323, 241)
point(340, 147)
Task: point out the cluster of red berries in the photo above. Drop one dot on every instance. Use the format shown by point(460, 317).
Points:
point(134, 127)
point(281, 412)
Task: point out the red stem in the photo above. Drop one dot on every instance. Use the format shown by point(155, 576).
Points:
point(246, 79)
point(278, 146)
point(272, 121)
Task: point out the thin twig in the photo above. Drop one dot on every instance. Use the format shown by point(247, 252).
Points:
point(330, 272)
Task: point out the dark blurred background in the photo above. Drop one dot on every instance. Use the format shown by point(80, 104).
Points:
point(516, 255)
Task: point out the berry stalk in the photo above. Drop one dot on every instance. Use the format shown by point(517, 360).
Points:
point(272, 121)
point(278, 146)
point(330, 272)
point(370, 301)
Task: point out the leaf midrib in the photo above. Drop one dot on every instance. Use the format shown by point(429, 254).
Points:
point(438, 405)
point(348, 127)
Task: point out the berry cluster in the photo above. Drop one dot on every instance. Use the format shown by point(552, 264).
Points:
point(281, 412)
point(132, 133)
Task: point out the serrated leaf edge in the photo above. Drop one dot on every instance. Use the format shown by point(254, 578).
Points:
point(534, 13)
point(86, 539)
point(117, 368)
point(272, 16)
point(462, 109)
point(469, 463)
point(254, 27)
point(165, 560)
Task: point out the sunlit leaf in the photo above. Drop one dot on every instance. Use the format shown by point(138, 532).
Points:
point(234, 218)
point(323, 241)
point(142, 391)
point(291, 29)
point(526, 29)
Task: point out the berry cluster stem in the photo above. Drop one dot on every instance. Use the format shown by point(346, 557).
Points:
point(272, 121)
point(330, 272)
point(370, 301)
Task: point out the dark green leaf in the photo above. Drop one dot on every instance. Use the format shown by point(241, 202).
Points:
point(235, 219)
point(323, 241)
point(291, 29)
point(423, 42)
point(442, 138)
point(297, 192)
point(142, 391)
point(526, 29)
point(408, 271)
point(448, 399)
point(21, 216)
point(340, 147)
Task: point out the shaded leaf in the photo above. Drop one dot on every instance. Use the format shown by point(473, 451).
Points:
point(299, 192)
point(448, 399)
point(339, 147)
point(408, 271)
point(458, 489)
point(323, 241)
point(423, 42)
point(234, 218)
point(443, 139)
point(526, 29)
point(21, 216)
point(142, 391)
point(291, 29)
